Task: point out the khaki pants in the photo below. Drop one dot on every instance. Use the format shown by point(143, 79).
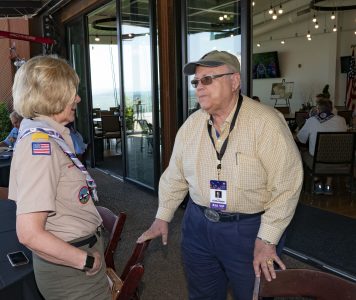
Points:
point(57, 282)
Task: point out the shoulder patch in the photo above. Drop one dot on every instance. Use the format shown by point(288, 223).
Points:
point(39, 136)
point(41, 148)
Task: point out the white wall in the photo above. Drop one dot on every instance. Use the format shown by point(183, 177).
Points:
point(309, 64)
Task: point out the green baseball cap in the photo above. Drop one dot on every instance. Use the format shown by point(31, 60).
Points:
point(213, 59)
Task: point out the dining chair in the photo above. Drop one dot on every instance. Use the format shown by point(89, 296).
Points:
point(4, 193)
point(125, 289)
point(125, 286)
point(333, 156)
point(304, 283)
point(111, 128)
point(300, 118)
point(114, 225)
point(347, 115)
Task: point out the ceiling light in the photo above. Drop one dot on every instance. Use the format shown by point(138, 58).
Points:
point(282, 42)
point(253, 3)
point(258, 45)
point(314, 18)
point(270, 10)
point(97, 38)
point(225, 16)
point(221, 18)
point(335, 28)
point(309, 38)
point(308, 34)
point(332, 17)
point(280, 10)
point(274, 17)
point(316, 25)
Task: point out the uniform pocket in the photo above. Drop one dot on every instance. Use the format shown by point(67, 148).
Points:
point(249, 172)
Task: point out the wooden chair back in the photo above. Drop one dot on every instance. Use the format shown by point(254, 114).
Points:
point(347, 115)
point(4, 193)
point(305, 283)
point(300, 118)
point(113, 224)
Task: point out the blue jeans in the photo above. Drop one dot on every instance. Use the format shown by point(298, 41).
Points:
point(218, 255)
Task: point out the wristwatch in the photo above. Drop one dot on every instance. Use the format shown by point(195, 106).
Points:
point(89, 263)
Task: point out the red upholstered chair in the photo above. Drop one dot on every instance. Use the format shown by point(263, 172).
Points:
point(114, 224)
point(305, 283)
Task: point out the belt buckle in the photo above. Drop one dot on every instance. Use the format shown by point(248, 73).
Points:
point(211, 215)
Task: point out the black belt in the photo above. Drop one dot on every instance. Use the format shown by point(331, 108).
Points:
point(91, 240)
point(218, 216)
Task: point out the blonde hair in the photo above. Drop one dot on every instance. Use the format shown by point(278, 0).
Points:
point(44, 85)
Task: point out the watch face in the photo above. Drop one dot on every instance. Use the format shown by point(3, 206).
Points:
point(89, 263)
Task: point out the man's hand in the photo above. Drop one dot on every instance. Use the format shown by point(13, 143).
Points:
point(158, 228)
point(264, 257)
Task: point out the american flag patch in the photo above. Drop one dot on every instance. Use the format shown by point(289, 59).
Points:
point(41, 148)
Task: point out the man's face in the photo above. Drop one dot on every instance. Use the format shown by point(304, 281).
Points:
point(216, 96)
point(15, 123)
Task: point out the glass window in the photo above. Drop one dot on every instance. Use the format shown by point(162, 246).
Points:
point(212, 25)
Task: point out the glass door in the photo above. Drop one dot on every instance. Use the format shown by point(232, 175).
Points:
point(137, 91)
point(76, 39)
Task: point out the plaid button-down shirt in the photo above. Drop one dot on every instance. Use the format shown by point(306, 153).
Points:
point(261, 165)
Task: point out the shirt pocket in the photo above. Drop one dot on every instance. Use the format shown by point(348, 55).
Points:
point(249, 173)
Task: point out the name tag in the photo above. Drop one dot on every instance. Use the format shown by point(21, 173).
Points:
point(218, 196)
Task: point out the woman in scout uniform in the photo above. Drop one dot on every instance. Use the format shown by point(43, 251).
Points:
point(56, 216)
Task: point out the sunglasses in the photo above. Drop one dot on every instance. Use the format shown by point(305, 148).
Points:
point(206, 80)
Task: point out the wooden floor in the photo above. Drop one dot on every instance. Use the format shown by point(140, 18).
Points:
point(342, 202)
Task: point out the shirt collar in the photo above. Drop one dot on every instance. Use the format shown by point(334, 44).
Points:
point(52, 123)
point(229, 117)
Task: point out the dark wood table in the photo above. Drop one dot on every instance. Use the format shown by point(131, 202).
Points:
point(16, 283)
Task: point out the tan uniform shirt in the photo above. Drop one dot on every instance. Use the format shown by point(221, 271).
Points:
point(52, 183)
point(261, 165)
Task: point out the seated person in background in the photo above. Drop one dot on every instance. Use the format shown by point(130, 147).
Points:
point(11, 138)
point(256, 98)
point(78, 143)
point(323, 121)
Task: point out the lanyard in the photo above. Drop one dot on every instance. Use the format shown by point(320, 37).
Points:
point(220, 154)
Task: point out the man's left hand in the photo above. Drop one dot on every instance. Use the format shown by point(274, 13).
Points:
point(265, 256)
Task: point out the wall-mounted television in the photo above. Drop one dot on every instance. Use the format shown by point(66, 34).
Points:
point(345, 64)
point(265, 65)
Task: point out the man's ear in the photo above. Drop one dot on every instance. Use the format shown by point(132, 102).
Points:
point(236, 82)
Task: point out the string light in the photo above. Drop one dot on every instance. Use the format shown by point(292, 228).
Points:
point(97, 38)
point(332, 17)
point(270, 10)
point(280, 10)
point(308, 34)
point(221, 18)
point(274, 17)
point(253, 3)
point(334, 28)
point(314, 18)
point(316, 25)
point(282, 42)
point(309, 38)
point(258, 45)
